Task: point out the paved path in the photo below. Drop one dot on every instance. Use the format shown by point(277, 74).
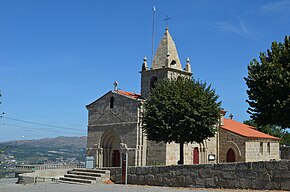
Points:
point(8, 185)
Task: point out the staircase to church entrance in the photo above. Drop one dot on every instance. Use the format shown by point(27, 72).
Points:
point(86, 176)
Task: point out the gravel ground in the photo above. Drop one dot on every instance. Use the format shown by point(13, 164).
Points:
point(8, 185)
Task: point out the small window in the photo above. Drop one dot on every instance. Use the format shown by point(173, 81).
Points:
point(173, 62)
point(268, 148)
point(112, 102)
point(153, 82)
point(261, 147)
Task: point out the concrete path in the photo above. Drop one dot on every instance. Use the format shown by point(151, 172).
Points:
point(8, 185)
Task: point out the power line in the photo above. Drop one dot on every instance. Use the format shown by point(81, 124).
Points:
point(42, 124)
point(38, 129)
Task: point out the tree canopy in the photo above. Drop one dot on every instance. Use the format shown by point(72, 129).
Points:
point(268, 84)
point(182, 111)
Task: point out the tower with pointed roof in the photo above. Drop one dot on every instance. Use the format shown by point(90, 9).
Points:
point(166, 64)
point(114, 121)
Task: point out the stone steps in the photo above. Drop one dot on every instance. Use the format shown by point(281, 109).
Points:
point(92, 170)
point(76, 180)
point(73, 182)
point(86, 176)
point(85, 173)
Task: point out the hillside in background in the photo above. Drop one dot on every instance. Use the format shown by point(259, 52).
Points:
point(76, 142)
point(59, 150)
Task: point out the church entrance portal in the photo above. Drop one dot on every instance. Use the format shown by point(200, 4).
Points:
point(110, 142)
point(231, 155)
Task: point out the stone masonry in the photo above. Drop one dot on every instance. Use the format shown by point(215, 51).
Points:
point(247, 149)
point(285, 152)
point(111, 125)
point(270, 175)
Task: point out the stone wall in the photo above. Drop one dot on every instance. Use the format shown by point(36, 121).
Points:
point(125, 110)
point(156, 153)
point(247, 175)
point(111, 125)
point(247, 149)
point(262, 150)
point(146, 77)
point(285, 152)
point(47, 175)
point(229, 140)
point(161, 73)
point(209, 147)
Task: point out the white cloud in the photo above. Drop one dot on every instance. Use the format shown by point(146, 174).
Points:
point(277, 6)
point(238, 28)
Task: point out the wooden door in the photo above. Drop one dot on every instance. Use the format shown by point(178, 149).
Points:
point(116, 158)
point(231, 155)
point(195, 156)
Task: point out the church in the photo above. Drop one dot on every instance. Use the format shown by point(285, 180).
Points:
point(114, 122)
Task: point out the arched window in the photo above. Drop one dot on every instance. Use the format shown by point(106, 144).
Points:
point(173, 62)
point(153, 82)
point(112, 99)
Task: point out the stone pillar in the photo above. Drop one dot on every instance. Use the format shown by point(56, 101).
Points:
point(99, 157)
point(205, 155)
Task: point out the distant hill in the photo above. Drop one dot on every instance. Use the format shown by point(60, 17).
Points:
point(76, 142)
point(47, 150)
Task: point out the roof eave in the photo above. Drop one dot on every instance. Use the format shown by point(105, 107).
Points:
point(252, 137)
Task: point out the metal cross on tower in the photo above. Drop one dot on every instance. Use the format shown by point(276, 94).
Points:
point(167, 20)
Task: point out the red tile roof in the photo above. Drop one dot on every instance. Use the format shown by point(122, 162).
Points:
point(245, 130)
point(129, 94)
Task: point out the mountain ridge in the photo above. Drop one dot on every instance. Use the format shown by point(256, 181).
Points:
point(78, 142)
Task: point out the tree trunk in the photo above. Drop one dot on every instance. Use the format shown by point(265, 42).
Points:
point(181, 154)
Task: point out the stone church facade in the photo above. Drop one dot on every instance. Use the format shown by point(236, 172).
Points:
point(114, 123)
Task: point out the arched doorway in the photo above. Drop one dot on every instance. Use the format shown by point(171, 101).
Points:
point(110, 142)
point(231, 157)
point(195, 156)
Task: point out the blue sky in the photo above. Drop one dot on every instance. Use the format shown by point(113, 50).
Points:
point(56, 56)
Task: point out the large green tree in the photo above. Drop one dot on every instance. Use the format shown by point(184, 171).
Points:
point(181, 110)
point(268, 84)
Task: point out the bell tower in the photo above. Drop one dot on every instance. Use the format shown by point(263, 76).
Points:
point(166, 64)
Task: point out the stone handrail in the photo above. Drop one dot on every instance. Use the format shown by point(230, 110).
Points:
point(32, 168)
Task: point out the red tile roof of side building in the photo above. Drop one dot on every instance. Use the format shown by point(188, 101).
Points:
point(245, 130)
point(129, 94)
